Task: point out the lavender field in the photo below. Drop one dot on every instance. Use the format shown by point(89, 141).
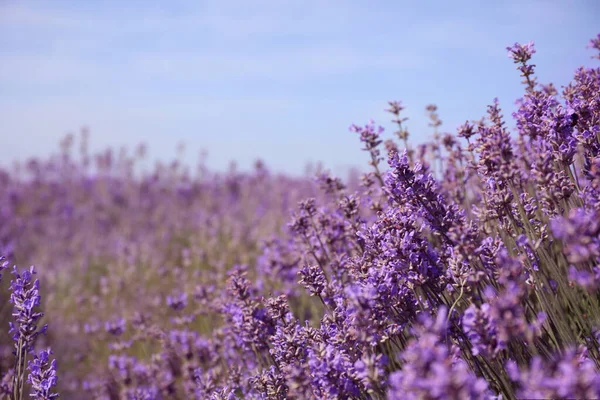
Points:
point(464, 268)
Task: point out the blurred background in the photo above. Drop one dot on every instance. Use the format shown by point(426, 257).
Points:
point(276, 80)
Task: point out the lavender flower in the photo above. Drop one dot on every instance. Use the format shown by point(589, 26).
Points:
point(177, 302)
point(482, 330)
point(115, 327)
point(370, 137)
point(580, 233)
point(42, 376)
point(569, 376)
point(332, 372)
point(369, 370)
point(521, 54)
point(25, 297)
point(431, 371)
point(595, 44)
point(271, 384)
point(3, 265)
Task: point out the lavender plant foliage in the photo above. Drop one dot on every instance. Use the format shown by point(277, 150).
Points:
point(465, 267)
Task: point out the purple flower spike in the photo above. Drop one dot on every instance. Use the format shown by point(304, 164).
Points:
point(432, 371)
point(3, 265)
point(177, 302)
point(369, 134)
point(42, 376)
point(116, 327)
point(521, 53)
point(595, 44)
point(26, 297)
point(570, 376)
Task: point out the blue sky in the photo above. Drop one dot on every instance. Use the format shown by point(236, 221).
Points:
point(271, 79)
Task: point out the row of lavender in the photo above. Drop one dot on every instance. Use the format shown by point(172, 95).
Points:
point(115, 246)
point(469, 269)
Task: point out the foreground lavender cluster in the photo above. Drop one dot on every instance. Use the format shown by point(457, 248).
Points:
point(468, 268)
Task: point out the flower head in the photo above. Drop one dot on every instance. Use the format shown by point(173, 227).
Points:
point(42, 376)
point(25, 297)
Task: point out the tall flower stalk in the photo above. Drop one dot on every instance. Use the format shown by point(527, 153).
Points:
point(25, 298)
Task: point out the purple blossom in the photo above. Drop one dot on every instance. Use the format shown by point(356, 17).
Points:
point(595, 44)
point(580, 234)
point(569, 376)
point(313, 279)
point(3, 265)
point(482, 330)
point(369, 370)
point(418, 191)
point(590, 280)
point(430, 370)
point(332, 372)
point(42, 376)
point(25, 297)
point(270, 384)
point(115, 327)
point(521, 54)
point(369, 135)
point(143, 393)
point(177, 302)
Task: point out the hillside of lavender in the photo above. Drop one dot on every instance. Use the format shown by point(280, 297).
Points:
point(464, 268)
